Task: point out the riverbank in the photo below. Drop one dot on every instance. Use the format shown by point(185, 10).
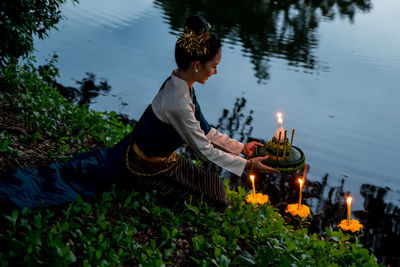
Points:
point(39, 126)
point(124, 227)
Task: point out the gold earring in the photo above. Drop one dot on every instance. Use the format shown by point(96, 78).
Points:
point(196, 70)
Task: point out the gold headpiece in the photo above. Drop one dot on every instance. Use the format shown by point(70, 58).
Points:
point(194, 42)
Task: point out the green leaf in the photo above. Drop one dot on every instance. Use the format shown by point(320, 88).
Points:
point(100, 238)
point(72, 257)
point(217, 252)
point(165, 234)
point(14, 217)
point(290, 246)
point(224, 261)
point(98, 254)
point(335, 238)
point(174, 232)
point(59, 251)
point(247, 259)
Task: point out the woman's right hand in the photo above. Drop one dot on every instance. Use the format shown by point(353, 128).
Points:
point(256, 164)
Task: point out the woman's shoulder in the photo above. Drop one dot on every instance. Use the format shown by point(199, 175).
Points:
point(173, 97)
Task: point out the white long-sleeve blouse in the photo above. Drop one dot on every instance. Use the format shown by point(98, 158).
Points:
point(173, 105)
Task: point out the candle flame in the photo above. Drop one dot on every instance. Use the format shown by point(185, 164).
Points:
point(280, 117)
point(348, 200)
point(300, 181)
point(252, 178)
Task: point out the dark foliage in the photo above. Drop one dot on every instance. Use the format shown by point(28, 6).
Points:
point(21, 20)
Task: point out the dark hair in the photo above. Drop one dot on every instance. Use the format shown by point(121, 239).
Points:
point(183, 58)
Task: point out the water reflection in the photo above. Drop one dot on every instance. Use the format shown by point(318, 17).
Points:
point(236, 123)
point(381, 219)
point(87, 91)
point(282, 29)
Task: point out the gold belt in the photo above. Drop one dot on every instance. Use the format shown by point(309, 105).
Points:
point(135, 157)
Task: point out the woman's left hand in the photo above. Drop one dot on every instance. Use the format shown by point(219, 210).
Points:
point(249, 148)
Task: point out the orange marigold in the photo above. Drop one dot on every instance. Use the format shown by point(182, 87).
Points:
point(257, 199)
point(294, 209)
point(353, 226)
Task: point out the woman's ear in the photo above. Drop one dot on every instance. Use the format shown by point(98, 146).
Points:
point(196, 65)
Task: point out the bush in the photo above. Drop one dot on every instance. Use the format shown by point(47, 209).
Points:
point(131, 228)
point(22, 19)
point(48, 115)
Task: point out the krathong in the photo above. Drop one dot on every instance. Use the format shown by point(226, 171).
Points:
point(349, 224)
point(283, 156)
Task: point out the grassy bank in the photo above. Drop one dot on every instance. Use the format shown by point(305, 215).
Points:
point(124, 227)
point(39, 126)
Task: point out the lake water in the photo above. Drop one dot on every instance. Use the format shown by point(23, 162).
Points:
point(332, 68)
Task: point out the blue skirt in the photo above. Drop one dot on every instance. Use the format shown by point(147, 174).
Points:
point(85, 174)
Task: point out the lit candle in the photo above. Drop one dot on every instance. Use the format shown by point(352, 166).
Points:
point(301, 182)
point(348, 209)
point(280, 120)
point(254, 186)
point(280, 128)
point(301, 187)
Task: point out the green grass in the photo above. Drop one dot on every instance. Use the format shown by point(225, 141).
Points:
point(131, 228)
point(49, 116)
point(125, 227)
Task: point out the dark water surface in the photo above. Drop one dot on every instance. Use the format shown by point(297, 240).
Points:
point(332, 67)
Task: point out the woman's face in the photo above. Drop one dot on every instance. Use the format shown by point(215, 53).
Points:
point(209, 68)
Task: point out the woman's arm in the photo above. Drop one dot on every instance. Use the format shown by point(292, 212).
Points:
point(225, 142)
point(189, 128)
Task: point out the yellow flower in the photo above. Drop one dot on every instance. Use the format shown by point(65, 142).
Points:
point(258, 199)
point(293, 209)
point(353, 226)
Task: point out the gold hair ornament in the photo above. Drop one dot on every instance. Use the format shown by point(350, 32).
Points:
point(192, 42)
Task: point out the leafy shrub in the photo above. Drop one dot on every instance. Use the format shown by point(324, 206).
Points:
point(131, 228)
point(21, 20)
point(44, 108)
point(47, 115)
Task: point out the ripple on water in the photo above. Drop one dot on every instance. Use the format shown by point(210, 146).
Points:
point(102, 13)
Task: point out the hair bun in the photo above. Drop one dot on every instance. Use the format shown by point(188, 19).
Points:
point(197, 24)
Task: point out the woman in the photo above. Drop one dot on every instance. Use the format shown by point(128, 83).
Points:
point(147, 156)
